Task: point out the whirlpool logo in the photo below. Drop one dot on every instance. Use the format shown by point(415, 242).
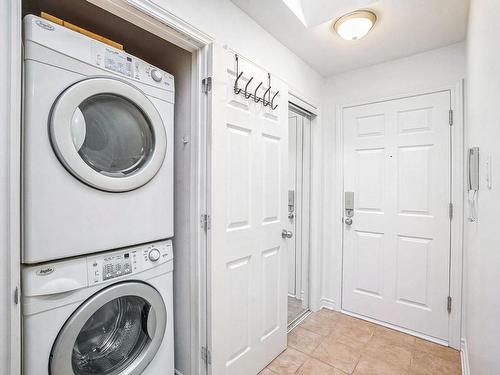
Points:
point(45, 271)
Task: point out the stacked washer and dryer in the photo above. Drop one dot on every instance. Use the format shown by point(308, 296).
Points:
point(97, 208)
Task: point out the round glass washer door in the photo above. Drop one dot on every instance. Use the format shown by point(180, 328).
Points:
point(108, 134)
point(117, 331)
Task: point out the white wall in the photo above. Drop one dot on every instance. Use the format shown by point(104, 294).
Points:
point(428, 70)
point(482, 244)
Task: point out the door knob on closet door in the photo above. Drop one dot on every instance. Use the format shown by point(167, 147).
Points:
point(286, 233)
point(348, 221)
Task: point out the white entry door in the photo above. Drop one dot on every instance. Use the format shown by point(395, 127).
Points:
point(397, 250)
point(248, 260)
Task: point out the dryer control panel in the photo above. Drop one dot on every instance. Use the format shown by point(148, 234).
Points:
point(116, 264)
point(90, 51)
point(130, 66)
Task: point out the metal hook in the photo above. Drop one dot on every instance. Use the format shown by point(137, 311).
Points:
point(247, 96)
point(237, 90)
point(272, 101)
point(255, 97)
point(264, 101)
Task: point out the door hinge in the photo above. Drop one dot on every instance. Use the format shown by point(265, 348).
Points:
point(206, 85)
point(449, 305)
point(451, 117)
point(450, 211)
point(206, 356)
point(205, 222)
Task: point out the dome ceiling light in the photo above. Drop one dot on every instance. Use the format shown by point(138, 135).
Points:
point(355, 25)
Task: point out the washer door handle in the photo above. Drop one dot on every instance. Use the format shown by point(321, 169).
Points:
point(151, 323)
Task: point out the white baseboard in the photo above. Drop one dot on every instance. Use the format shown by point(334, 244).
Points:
point(464, 355)
point(328, 304)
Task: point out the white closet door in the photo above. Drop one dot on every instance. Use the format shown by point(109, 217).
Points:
point(396, 252)
point(248, 260)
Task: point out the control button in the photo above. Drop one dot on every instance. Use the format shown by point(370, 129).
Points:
point(156, 75)
point(154, 255)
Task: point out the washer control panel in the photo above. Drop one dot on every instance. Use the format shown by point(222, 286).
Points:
point(104, 267)
point(116, 266)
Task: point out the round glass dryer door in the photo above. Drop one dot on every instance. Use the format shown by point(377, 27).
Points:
point(108, 134)
point(117, 331)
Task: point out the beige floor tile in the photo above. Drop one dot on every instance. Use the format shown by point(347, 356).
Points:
point(304, 340)
point(437, 350)
point(318, 324)
point(376, 366)
point(353, 335)
point(351, 322)
point(332, 343)
point(288, 362)
point(315, 367)
point(338, 355)
point(428, 364)
point(397, 337)
point(392, 352)
point(329, 314)
point(266, 371)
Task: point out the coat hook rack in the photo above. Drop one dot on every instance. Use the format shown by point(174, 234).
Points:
point(266, 99)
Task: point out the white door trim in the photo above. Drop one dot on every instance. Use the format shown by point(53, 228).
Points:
point(303, 204)
point(457, 197)
point(10, 159)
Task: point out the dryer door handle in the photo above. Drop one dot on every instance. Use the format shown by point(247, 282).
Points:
point(151, 323)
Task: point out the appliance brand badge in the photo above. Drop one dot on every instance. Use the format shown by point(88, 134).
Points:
point(45, 271)
point(44, 25)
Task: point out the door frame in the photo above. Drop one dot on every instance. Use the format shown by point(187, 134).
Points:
point(166, 25)
point(303, 234)
point(315, 196)
point(457, 199)
point(10, 158)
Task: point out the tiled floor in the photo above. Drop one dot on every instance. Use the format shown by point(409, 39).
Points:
point(330, 343)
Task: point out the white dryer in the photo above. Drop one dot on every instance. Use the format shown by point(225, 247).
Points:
point(109, 314)
point(97, 147)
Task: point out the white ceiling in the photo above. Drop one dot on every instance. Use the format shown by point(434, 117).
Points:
point(404, 27)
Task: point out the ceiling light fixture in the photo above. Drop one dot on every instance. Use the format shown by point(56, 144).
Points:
point(355, 25)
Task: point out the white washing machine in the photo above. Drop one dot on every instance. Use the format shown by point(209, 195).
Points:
point(104, 314)
point(97, 147)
